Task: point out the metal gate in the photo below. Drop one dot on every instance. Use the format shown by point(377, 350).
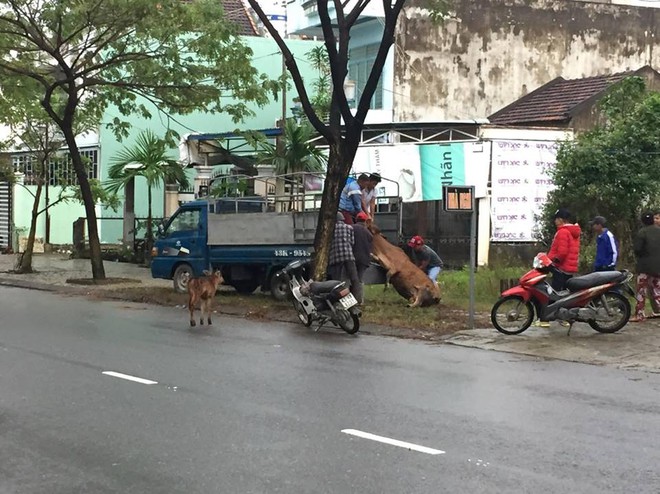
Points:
point(5, 215)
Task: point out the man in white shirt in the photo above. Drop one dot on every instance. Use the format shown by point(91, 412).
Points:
point(369, 194)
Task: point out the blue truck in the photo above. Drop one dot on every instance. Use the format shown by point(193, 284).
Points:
point(247, 239)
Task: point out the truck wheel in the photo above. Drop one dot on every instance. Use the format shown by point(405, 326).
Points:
point(279, 288)
point(245, 287)
point(182, 275)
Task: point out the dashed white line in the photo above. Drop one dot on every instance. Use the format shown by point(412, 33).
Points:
point(393, 442)
point(129, 378)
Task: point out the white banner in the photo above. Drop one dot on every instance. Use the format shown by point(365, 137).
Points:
point(398, 164)
point(520, 183)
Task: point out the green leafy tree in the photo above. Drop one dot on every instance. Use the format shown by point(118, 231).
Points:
point(148, 158)
point(344, 127)
point(43, 145)
point(611, 170)
point(33, 133)
point(80, 58)
point(322, 85)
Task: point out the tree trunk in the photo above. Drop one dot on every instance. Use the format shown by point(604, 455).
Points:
point(98, 271)
point(332, 187)
point(25, 265)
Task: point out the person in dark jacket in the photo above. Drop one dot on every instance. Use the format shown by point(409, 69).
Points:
point(607, 247)
point(646, 246)
point(565, 249)
point(361, 251)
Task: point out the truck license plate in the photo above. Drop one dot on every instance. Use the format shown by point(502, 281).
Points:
point(348, 301)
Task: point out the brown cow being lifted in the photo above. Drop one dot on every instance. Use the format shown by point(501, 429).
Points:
point(406, 278)
point(203, 289)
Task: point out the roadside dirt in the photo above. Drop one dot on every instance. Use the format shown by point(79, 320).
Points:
point(384, 318)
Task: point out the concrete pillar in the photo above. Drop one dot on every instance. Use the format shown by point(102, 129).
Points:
point(129, 213)
point(171, 199)
point(483, 228)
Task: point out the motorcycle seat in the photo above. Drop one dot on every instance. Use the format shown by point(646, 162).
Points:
point(319, 287)
point(594, 279)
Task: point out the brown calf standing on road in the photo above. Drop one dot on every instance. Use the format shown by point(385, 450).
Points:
point(203, 289)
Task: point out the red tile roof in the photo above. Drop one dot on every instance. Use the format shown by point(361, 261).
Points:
point(236, 11)
point(555, 101)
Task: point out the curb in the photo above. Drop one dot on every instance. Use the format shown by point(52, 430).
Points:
point(369, 329)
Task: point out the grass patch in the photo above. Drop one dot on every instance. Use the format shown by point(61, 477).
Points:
point(382, 307)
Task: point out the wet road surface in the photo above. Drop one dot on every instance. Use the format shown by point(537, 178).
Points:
point(102, 397)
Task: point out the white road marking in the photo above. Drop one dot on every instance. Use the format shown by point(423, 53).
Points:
point(393, 442)
point(129, 378)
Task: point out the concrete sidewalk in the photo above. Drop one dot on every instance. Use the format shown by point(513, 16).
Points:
point(52, 270)
point(636, 346)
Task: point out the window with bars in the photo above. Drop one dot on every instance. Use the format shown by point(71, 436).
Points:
point(360, 62)
point(60, 171)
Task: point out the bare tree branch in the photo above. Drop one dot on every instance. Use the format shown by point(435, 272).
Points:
point(291, 64)
point(356, 12)
point(338, 59)
point(391, 16)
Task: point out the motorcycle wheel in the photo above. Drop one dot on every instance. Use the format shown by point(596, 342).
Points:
point(621, 308)
point(512, 315)
point(351, 324)
point(303, 316)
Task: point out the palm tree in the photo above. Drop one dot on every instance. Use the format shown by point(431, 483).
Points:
point(148, 158)
point(294, 154)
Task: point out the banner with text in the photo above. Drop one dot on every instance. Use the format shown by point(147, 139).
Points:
point(420, 170)
point(520, 184)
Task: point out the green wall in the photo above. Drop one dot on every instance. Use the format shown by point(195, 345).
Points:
point(62, 215)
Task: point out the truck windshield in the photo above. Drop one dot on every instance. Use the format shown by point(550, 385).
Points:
point(184, 221)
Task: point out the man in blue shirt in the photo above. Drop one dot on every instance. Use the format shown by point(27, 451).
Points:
point(607, 248)
point(350, 201)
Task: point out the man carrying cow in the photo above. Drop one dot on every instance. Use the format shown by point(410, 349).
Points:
point(350, 201)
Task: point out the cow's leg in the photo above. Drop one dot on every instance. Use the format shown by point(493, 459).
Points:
point(208, 310)
point(416, 299)
point(192, 300)
point(388, 276)
point(202, 308)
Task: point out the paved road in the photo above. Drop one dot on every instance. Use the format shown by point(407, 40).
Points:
point(249, 407)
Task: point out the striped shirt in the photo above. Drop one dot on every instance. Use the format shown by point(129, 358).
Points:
point(351, 198)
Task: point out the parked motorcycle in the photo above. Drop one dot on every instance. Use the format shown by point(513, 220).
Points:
point(321, 301)
point(594, 298)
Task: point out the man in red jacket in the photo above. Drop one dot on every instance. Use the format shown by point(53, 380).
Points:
point(565, 249)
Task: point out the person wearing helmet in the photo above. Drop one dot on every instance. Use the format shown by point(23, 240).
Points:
point(425, 258)
point(565, 249)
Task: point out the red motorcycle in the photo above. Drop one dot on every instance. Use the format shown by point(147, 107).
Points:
point(594, 298)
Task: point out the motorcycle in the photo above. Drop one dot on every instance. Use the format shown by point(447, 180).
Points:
point(594, 298)
point(321, 301)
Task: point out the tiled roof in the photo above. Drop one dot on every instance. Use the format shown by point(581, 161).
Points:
point(555, 101)
point(236, 11)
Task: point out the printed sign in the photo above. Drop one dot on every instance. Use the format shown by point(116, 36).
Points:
point(520, 184)
point(442, 164)
point(421, 170)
